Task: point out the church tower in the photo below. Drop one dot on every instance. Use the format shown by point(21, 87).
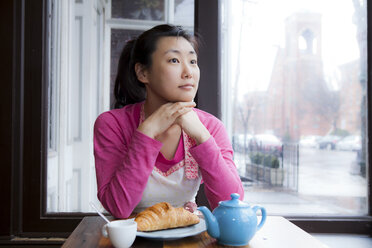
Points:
point(303, 36)
point(298, 91)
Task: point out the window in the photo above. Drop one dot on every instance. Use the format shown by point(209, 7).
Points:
point(25, 97)
point(294, 91)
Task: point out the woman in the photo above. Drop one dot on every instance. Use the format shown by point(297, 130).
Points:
point(156, 146)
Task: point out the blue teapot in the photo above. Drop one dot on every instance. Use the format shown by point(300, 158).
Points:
point(233, 222)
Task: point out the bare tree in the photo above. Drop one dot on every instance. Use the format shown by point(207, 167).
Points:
point(244, 111)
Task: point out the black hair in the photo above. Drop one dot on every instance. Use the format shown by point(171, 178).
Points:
point(128, 89)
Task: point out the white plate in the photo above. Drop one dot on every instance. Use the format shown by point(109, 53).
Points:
point(175, 233)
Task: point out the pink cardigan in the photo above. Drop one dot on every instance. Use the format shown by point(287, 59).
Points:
point(124, 160)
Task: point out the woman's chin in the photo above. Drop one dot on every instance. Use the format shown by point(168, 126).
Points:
point(185, 100)
point(181, 99)
point(188, 98)
point(180, 96)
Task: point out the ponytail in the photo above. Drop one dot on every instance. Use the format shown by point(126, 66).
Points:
point(128, 89)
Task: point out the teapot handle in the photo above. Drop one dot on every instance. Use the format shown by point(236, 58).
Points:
point(263, 218)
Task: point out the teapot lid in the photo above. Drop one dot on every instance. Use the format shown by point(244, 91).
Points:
point(234, 202)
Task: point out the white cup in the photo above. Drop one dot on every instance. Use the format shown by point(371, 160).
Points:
point(122, 233)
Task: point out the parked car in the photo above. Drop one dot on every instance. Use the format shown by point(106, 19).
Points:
point(328, 142)
point(310, 141)
point(266, 142)
point(350, 143)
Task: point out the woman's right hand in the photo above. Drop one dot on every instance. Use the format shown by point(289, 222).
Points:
point(164, 117)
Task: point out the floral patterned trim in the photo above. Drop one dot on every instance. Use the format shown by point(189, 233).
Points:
point(174, 168)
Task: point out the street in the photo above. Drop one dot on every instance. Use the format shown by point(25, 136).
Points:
point(328, 184)
point(330, 173)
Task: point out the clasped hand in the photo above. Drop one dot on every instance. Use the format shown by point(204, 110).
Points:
point(179, 113)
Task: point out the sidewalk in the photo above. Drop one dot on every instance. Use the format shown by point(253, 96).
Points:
point(326, 186)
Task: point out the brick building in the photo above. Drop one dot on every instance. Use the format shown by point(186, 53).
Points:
point(300, 101)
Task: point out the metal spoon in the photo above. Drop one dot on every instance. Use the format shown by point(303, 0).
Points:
point(100, 214)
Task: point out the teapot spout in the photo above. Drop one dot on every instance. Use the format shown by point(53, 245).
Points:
point(211, 222)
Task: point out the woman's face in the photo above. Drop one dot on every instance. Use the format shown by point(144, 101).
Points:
point(174, 73)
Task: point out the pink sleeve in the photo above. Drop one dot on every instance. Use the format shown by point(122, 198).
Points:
point(220, 176)
point(122, 166)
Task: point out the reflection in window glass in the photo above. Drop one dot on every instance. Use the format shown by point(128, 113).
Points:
point(184, 12)
point(294, 81)
point(75, 98)
point(139, 10)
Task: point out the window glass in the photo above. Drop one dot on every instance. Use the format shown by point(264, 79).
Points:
point(75, 100)
point(294, 91)
point(140, 10)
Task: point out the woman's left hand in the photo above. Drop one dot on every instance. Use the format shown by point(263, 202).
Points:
point(190, 206)
point(191, 124)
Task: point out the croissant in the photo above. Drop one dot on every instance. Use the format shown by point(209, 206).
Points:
point(163, 216)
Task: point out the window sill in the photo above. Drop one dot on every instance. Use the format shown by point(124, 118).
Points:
point(344, 240)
